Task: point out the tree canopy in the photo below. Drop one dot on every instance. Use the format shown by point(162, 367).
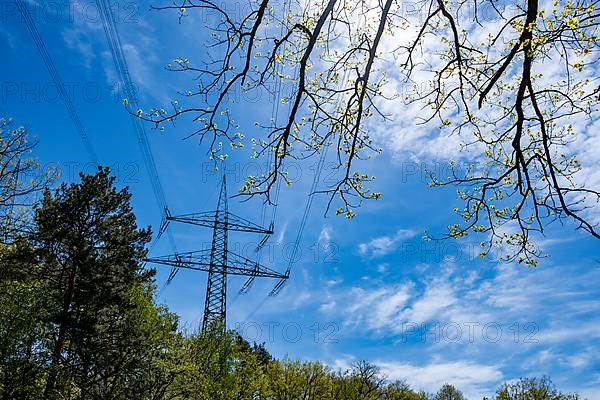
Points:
point(532, 389)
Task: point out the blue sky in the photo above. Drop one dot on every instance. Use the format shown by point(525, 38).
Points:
point(370, 288)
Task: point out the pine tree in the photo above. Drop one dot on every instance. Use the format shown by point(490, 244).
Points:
point(89, 249)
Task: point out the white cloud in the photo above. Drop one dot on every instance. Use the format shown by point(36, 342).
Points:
point(325, 237)
point(590, 394)
point(389, 308)
point(382, 268)
point(521, 302)
point(581, 360)
point(383, 245)
point(333, 282)
point(302, 298)
point(472, 378)
point(8, 37)
point(282, 232)
point(377, 308)
point(85, 35)
point(565, 330)
point(328, 307)
point(408, 140)
point(343, 364)
point(430, 305)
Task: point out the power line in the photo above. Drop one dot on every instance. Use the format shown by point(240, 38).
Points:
point(277, 289)
point(274, 119)
point(304, 219)
point(118, 56)
point(39, 43)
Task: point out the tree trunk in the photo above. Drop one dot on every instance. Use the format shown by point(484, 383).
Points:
point(49, 390)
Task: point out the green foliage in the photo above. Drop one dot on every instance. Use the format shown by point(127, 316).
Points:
point(21, 326)
point(448, 392)
point(532, 389)
point(217, 365)
point(21, 178)
point(89, 248)
point(513, 86)
point(78, 319)
point(400, 390)
point(291, 379)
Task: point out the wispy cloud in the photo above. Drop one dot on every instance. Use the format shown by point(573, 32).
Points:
point(383, 245)
point(512, 294)
point(378, 308)
point(325, 235)
point(507, 314)
point(472, 378)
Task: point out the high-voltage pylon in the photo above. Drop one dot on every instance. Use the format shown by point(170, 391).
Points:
point(219, 261)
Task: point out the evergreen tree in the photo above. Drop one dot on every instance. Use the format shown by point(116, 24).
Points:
point(89, 249)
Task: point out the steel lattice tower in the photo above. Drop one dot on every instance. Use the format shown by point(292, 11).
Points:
point(219, 262)
point(215, 306)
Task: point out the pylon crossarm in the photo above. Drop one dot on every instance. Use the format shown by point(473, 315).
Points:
point(178, 259)
point(207, 219)
point(251, 268)
point(200, 215)
point(200, 261)
point(238, 223)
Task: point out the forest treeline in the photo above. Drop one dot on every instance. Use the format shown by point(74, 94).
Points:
point(79, 320)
